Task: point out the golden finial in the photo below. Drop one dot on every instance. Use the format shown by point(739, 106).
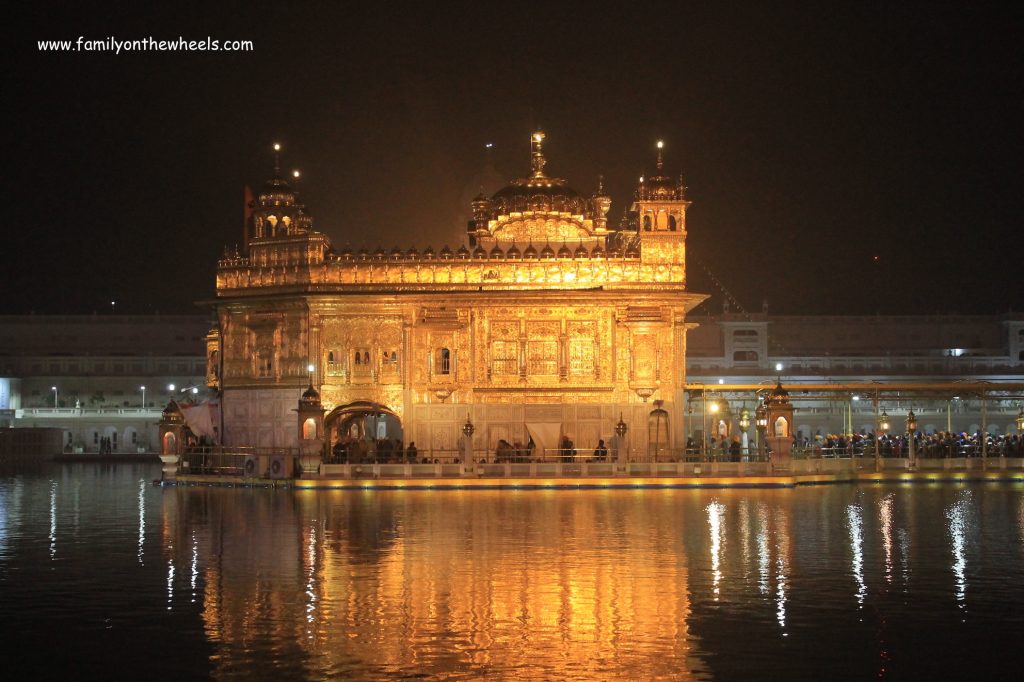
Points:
point(537, 161)
point(600, 184)
point(661, 145)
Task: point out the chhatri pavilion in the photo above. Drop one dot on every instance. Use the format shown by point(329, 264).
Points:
point(545, 322)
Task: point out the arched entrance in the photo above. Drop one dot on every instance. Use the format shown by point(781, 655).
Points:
point(364, 431)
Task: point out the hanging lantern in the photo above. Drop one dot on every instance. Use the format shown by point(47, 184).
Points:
point(911, 422)
point(744, 419)
point(468, 428)
point(621, 428)
point(761, 417)
point(883, 422)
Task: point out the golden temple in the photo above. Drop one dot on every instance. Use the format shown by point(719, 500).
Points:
point(544, 323)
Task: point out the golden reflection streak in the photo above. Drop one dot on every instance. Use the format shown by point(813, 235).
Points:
point(195, 566)
point(745, 534)
point(782, 567)
point(716, 515)
point(53, 519)
point(762, 548)
point(855, 523)
point(142, 517)
point(957, 517)
point(885, 517)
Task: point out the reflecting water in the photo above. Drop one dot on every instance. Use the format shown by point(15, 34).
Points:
point(100, 569)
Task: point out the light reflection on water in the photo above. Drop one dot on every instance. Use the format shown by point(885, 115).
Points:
point(957, 517)
point(676, 584)
point(855, 523)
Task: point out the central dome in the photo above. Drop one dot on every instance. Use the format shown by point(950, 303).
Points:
point(538, 192)
point(539, 209)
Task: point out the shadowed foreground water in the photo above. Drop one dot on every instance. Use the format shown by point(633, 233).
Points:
point(103, 574)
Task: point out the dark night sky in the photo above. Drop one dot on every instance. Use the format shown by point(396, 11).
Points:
point(812, 139)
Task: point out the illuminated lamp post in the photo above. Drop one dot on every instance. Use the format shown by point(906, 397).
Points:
point(911, 428)
point(744, 425)
point(468, 429)
point(620, 433)
point(54, 389)
point(761, 421)
point(143, 389)
point(883, 426)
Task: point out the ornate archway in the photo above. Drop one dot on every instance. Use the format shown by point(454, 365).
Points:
point(364, 431)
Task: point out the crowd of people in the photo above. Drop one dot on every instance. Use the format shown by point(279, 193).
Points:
point(388, 451)
point(931, 446)
point(935, 445)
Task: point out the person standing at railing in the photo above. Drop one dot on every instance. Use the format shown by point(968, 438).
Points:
point(567, 451)
point(600, 452)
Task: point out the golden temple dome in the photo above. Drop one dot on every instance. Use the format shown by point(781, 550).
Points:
point(538, 192)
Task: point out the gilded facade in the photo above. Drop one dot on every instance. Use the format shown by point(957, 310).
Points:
point(545, 316)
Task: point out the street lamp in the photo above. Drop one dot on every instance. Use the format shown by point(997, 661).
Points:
point(620, 431)
point(911, 428)
point(54, 389)
point(468, 429)
point(744, 423)
point(853, 399)
point(761, 419)
point(143, 389)
point(883, 424)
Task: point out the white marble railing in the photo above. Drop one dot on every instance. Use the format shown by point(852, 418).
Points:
point(68, 412)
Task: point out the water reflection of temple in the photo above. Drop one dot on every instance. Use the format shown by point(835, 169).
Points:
point(395, 583)
point(546, 321)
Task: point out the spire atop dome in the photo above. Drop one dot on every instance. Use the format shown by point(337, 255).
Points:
point(277, 160)
point(537, 161)
point(661, 162)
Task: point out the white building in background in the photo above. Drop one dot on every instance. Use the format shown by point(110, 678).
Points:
point(741, 349)
point(85, 374)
